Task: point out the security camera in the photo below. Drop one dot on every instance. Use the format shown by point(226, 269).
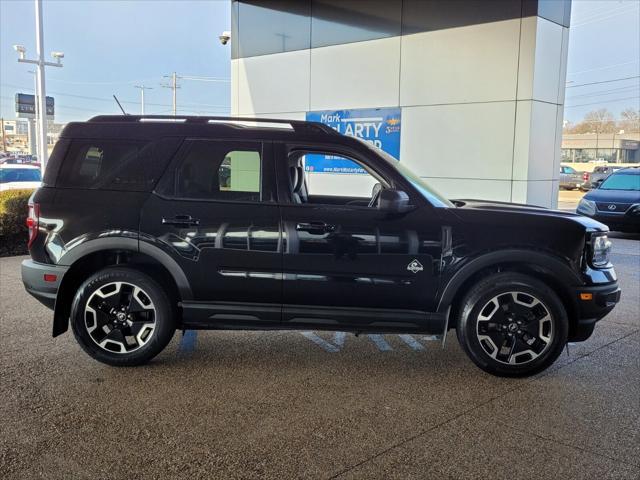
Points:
point(225, 37)
point(57, 55)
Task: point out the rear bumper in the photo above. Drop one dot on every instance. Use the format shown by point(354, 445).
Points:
point(603, 298)
point(33, 278)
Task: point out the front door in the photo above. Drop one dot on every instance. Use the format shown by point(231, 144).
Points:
point(346, 263)
point(214, 211)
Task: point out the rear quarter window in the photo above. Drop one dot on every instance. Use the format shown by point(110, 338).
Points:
point(109, 165)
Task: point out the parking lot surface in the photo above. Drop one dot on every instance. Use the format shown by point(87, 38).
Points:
point(316, 404)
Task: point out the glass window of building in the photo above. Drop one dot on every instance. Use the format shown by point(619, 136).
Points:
point(271, 26)
point(344, 21)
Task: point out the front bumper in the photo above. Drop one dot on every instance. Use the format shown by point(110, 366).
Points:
point(42, 281)
point(593, 302)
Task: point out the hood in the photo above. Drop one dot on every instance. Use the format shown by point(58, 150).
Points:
point(613, 196)
point(534, 212)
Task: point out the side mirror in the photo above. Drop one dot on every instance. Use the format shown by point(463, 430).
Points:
point(597, 183)
point(394, 201)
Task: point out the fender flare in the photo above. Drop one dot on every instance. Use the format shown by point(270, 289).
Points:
point(70, 258)
point(546, 262)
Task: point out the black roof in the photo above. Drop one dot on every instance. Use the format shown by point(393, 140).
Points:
point(155, 126)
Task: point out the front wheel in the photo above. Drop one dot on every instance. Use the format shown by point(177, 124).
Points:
point(121, 317)
point(513, 325)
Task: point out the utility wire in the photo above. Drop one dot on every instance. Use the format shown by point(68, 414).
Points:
point(603, 81)
point(606, 92)
point(613, 100)
point(109, 100)
point(604, 67)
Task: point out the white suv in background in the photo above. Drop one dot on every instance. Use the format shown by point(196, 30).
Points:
point(18, 176)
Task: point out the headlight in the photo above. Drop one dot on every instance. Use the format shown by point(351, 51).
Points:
point(587, 207)
point(600, 249)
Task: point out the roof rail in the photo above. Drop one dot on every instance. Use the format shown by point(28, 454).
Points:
point(300, 126)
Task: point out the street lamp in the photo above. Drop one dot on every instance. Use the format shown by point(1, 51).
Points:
point(41, 96)
point(142, 89)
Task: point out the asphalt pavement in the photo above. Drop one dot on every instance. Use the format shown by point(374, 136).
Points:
point(287, 405)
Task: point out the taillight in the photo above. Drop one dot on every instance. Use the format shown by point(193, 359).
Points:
point(585, 176)
point(32, 222)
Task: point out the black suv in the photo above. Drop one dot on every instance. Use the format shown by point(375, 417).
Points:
point(145, 225)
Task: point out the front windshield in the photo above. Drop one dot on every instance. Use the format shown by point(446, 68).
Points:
point(621, 181)
point(427, 191)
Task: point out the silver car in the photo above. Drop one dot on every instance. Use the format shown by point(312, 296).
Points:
point(570, 178)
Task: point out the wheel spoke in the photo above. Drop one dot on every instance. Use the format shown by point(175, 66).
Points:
point(120, 317)
point(514, 327)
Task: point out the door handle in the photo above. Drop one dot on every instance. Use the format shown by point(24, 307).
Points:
point(316, 228)
point(181, 221)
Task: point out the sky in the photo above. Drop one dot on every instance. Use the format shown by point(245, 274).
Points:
point(604, 45)
point(110, 46)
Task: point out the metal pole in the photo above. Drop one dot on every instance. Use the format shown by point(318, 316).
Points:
point(4, 138)
point(174, 86)
point(33, 124)
point(41, 93)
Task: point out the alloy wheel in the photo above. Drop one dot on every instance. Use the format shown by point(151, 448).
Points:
point(120, 317)
point(515, 328)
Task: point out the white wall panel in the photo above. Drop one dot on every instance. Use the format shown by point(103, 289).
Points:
point(541, 54)
point(548, 61)
point(476, 63)
point(543, 193)
point(274, 83)
point(355, 75)
point(235, 106)
point(459, 141)
point(535, 141)
point(563, 65)
point(499, 190)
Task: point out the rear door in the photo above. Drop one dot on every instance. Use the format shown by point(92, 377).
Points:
point(214, 211)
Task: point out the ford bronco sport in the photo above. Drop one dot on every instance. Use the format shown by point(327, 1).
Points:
point(145, 225)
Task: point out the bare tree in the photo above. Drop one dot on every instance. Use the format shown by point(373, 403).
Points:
point(629, 120)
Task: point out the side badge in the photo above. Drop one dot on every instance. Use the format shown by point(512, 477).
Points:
point(415, 266)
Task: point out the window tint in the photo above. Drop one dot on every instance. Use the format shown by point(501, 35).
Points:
point(8, 175)
point(108, 165)
point(220, 171)
point(272, 26)
point(343, 21)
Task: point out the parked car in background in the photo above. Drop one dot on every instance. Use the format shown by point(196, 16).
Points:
point(17, 176)
point(591, 179)
point(570, 178)
point(616, 201)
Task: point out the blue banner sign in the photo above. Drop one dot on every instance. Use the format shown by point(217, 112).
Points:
point(379, 126)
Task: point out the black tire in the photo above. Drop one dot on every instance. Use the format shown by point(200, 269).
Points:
point(485, 298)
point(159, 319)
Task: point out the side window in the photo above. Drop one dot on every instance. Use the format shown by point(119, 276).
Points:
point(108, 165)
point(332, 175)
point(216, 170)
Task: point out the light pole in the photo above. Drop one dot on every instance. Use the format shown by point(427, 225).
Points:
point(142, 89)
point(41, 96)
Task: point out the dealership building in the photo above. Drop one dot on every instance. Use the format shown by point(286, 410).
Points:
point(475, 87)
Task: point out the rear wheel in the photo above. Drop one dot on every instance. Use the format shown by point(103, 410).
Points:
point(511, 324)
point(121, 317)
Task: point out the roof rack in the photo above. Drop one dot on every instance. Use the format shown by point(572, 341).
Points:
point(299, 126)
